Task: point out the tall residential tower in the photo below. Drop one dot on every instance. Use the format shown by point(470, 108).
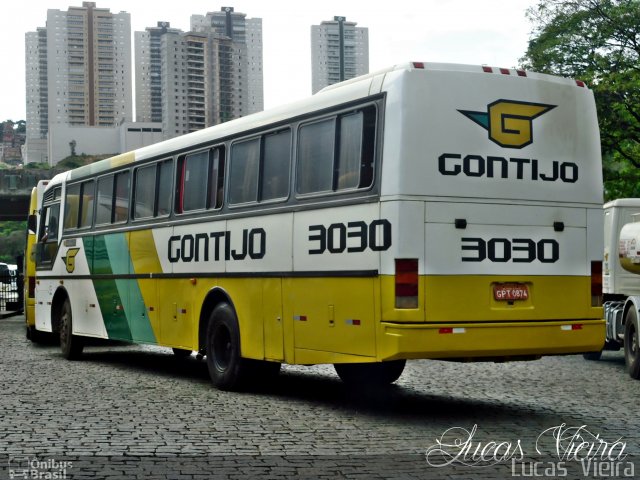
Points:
point(84, 58)
point(149, 72)
point(209, 75)
point(339, 51)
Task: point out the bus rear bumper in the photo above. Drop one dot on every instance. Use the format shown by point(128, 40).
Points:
point(490, 341)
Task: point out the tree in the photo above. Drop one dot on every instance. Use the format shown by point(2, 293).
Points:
point(597, 41)
point(13, 240)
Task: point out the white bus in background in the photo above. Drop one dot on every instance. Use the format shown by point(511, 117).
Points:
point(29, 286)
point(621, 281)
point(423, 211)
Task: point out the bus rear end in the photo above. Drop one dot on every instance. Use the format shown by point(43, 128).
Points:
point(35, 202)
point(492, 179)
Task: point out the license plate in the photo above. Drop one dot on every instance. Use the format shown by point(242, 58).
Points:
point(510, 291)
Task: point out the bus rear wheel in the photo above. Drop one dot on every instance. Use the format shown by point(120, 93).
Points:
point(370, 374)
point(632, 344)
point(592, 356)
point(227, 369)
point(70, 344)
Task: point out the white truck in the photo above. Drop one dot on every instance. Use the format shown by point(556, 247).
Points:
point(621, 280)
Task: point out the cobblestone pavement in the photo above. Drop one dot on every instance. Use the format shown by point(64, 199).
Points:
point(138, 411)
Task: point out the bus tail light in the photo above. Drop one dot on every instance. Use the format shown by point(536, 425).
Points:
point(31, 286)
point(596, 284)
point(406, 283)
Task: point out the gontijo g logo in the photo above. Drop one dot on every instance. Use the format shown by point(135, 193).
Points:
point(70, 259)
point(509, 123)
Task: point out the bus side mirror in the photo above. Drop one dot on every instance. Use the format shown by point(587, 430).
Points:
point(32, 223)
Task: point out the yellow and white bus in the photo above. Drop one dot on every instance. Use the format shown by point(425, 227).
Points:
point(29, 286)
point(426, 211)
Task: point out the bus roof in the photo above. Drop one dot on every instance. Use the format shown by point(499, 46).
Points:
point(331, 96)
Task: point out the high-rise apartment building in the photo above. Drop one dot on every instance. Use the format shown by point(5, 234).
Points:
point(207, 76)
point(242, 31)
point(149, 72)
point(37, 96)
point(86, 68)
point(339, 51)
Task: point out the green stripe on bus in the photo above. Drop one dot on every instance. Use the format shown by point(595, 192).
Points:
point(134, 308)
point(109, 298)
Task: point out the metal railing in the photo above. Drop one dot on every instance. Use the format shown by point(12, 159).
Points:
point(11, 292)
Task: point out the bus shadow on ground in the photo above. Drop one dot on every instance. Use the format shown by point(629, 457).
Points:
point(396, 401)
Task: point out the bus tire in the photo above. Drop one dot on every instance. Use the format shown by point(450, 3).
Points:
point(181, 352)
point(227, 369)
point(632, 344)
point(370, 374)
point(41, 338)
point(592, 356)
point(34, 335)
point(70, 344)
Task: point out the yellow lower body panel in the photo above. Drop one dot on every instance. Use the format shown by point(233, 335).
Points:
point(469, 298)
point(30, 314)
point(474, 340)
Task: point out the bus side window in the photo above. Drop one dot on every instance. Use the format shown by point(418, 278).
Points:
point(164, 187)
point(337, 153)
point(243, 177)
point(48, 241)
point(276, 161)
point(49, 229)
point(192, 187)
point(144, 191)
point(71, 207)
point(216, 181)
point(86, 204)
point(349, 151)
point(315, 156)
point(104, 205)
point(121, 199)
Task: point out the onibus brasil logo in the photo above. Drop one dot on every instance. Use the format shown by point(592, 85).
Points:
point(509, 122)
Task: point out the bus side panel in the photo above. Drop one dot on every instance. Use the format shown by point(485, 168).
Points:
point(178, 312)
point(121, 301)
point(329, 304)
point(78, 258)
point(144, 261)
point(272, 319)
point(331, 315)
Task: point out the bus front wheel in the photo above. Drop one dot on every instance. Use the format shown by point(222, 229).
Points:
point(370, 374)
point(632, 344)
point(70, 344)
point(227, 369)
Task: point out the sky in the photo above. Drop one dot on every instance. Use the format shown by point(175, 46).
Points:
point(487, 32)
